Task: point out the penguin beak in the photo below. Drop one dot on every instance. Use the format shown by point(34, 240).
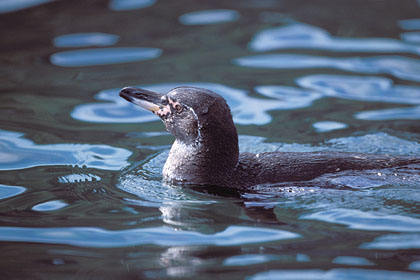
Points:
point(144, 98)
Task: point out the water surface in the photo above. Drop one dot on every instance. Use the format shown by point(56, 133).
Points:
point(81, 191)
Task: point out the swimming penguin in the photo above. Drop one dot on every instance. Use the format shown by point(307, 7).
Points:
point(206, 150)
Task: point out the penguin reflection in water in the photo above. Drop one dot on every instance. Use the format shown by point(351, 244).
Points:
point(206, 150)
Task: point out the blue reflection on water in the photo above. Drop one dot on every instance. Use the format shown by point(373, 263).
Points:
point(209, 17)
point(394, 242)
point(10, 191)
point(357, 219)
point(91, 57)
point(326, 126)
point(306, 36)
point(410, 24)
point(361, 88)
point(125, 5)
point(288, 97)
point(85, 40)
point(244, 260)
point(162, 236)
point(411, 37)
point(7, 6)
point(410, 113)
point(335, 273)
point(350, 260)
point(119, 111)
point(18, 153)
point(50, 206)
point(245, 109)
point(416, 264)
point(401, 67)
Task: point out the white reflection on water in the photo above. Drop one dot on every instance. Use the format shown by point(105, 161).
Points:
point(10, 191)
point(8, 6)
point(334, 274)
point(305, 36)
point(245, 109)
point(161, 236)
point(17, 152)
point(85, 40)
point(209, 17)
point(92, 57)
point(401, 67)
point(356, 219)
point(125, 5)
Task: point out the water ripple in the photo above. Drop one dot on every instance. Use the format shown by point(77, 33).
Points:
point(161, 236)
point(410, 24)
point(327, 126)
point(10, 191)
point(410, 113)
point(50, 206)
point(8, 6)
point(394, 242)
point(356, 219)
point(249, 259)
point(335, 273)
point(411, 37)
point(85, 40)
point(361, 88)
point(125, 5)
point(92, 57)
point(350, 260)
point(305, 36)
point(401, 67)
point(19, 153)
point(209, 17)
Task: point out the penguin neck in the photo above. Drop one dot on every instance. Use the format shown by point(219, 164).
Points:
point(211, 159)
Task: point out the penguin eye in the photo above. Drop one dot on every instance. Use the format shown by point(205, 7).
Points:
point(178, 108)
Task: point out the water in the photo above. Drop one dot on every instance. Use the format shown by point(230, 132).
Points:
point(81, 194)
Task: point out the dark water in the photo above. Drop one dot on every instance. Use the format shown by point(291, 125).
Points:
point(81, 195)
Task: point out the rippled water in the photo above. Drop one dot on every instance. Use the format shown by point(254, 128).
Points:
point(81, 194)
